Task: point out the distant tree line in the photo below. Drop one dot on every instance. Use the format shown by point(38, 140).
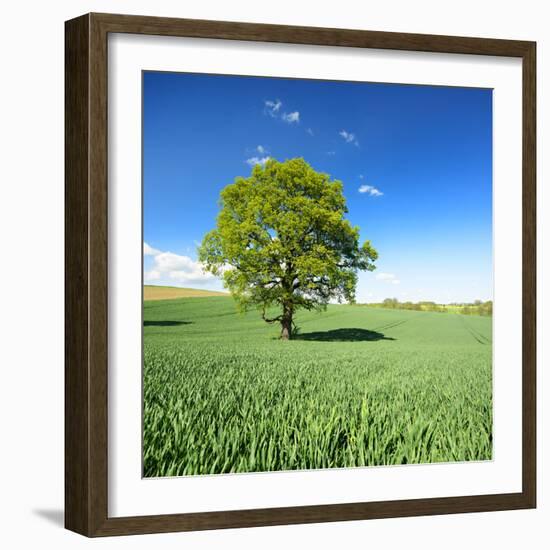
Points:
point(474, 308)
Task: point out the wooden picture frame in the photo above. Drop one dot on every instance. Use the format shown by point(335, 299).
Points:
point(86, 282)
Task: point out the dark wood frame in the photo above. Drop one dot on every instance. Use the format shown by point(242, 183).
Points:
point(86, 274)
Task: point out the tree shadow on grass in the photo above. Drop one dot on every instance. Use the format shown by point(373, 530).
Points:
point(166, 323)
point(343, 335)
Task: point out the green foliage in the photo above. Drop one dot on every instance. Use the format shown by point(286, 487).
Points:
point(221, 394)
point(476, 308)
point(282, 240)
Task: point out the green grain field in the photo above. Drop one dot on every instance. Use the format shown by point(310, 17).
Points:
point(357, 386)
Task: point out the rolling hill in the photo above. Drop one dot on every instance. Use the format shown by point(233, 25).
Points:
point(151, 292)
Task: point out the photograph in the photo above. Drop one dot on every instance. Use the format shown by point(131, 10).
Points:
point(317, 274)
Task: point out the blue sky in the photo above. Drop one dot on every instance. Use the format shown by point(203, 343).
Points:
point(416, 163)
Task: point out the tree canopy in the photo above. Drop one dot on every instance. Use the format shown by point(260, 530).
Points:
point(282, 243)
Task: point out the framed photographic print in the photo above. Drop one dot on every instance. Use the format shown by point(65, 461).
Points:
point(300, 275)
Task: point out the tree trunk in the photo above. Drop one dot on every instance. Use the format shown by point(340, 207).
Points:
point(286, 324)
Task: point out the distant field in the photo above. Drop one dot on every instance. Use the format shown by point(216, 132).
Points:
point(357, 387)
point(151, 292)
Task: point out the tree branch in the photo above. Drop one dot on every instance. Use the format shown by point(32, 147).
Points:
point(273, 320)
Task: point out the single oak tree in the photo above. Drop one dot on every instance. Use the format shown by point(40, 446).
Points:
point(282, 243)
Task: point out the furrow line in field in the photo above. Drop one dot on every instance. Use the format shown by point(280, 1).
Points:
point(482, 336)
point(475, 334)
point(393, 324)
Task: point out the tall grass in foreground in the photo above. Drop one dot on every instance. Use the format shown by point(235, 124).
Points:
point(221, 395)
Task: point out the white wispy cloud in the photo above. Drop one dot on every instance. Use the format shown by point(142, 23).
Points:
point(168, 266)
point(388, 277)
point(349, 137)
point(261, 150)
point(370, 190)
point(291, 117)
point(149, 250)
point(310, 131)
point(273, 107)
point(252, 161)
point(151, 275)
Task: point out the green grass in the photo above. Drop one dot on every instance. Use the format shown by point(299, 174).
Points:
point(360, 387)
